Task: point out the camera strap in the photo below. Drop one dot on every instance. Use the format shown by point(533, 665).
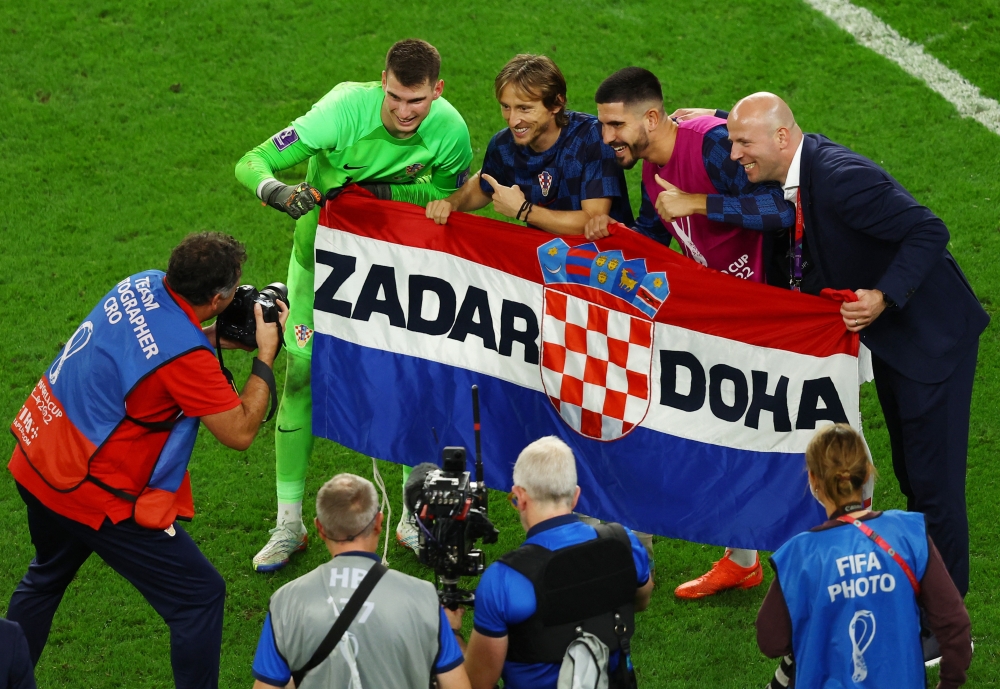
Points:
point(259, 369)
point(884, 545)
point(225, 371)
point(344, 620)
point(264, 372)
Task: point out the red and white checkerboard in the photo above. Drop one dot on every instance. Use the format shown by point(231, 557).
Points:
point(595, 365)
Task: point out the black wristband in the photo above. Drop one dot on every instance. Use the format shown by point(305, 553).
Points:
point(264, 372)
point(381, 191)
point(531, 207)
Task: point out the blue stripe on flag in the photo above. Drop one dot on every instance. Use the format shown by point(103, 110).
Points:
point(405, 409)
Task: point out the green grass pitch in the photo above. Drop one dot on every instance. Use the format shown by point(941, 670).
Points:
point(120, 125)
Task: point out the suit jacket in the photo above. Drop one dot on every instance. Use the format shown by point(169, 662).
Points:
point(865, 231)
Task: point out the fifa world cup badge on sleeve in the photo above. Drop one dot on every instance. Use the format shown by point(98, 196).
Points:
point(285, 138)
point(597, 336)
point(545, 181)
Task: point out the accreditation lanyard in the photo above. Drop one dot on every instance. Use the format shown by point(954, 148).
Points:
point(881, 543)
point(795, 256)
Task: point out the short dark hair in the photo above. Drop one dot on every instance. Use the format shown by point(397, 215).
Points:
point(413, 62)
point(205, 264)
point(536, 76)
point(630, 86)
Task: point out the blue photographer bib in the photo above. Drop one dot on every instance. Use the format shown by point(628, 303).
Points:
point(855, 620)
point(80, 400)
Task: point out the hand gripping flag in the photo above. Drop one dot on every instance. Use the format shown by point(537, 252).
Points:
point(688, 396)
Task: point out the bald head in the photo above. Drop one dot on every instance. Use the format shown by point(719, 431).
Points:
point(764, 135)
point(764, 108)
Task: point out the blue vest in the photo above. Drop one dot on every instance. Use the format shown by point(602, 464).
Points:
point(855, 620)
point(80, 400)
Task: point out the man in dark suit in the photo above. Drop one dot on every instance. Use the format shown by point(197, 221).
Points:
point(862, 231)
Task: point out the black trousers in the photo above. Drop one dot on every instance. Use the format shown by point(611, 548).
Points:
point(928, 426)
point(169, 571)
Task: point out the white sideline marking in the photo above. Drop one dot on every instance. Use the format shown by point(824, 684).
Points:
point(872, 32)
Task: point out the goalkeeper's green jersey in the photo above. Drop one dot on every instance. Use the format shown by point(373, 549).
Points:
point(344, 140)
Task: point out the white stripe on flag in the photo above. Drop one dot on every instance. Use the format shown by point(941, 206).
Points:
point(716, 356)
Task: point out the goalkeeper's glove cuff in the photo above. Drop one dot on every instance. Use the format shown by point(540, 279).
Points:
point(295, 201)
point(265, 188)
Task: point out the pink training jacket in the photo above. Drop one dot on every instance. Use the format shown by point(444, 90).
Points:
point(720, 246)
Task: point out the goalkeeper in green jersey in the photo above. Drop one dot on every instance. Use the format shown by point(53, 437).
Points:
point(401, 140)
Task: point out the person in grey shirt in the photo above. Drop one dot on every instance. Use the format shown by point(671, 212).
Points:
point(400, 637)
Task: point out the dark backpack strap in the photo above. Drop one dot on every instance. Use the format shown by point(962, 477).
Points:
point(153, 425)
point(624, 678)
point(529, 559)
point(344, 620)
point(117, 492)
point(616, 531)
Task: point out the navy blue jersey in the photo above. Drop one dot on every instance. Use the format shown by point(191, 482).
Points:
point(578, 166)
point(739, 202)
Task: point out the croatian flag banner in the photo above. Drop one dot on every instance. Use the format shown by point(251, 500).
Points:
point(688, 396)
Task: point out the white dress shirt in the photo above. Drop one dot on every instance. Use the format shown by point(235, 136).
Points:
point(791, 185)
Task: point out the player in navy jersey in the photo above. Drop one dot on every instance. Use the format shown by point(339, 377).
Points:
point(550, 167)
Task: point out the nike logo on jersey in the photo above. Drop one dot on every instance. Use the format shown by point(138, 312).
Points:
point(288, 430)
point(354, 167)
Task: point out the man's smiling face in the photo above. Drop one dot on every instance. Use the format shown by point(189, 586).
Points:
point(624, 131)
point(526, 116)
point(405, 107)
point(756, 148)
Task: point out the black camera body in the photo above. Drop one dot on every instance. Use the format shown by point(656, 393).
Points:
point(452, 514)
point(238, 323)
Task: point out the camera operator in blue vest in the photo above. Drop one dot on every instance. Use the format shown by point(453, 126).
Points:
point(104, 440)
point(567, 580)
point(846, 600)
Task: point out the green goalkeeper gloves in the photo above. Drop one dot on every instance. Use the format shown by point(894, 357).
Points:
point(296, 201)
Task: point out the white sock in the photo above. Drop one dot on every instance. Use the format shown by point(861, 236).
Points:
point(742, 557)
point(290, 513)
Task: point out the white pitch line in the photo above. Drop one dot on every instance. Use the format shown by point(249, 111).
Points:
point(873, 33)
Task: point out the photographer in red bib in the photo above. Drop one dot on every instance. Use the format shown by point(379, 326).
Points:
point(104, 440)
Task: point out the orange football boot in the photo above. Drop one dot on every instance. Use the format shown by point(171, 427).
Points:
point(725, 574)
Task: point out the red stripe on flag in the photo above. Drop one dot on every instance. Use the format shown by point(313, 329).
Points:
point(700, 299)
